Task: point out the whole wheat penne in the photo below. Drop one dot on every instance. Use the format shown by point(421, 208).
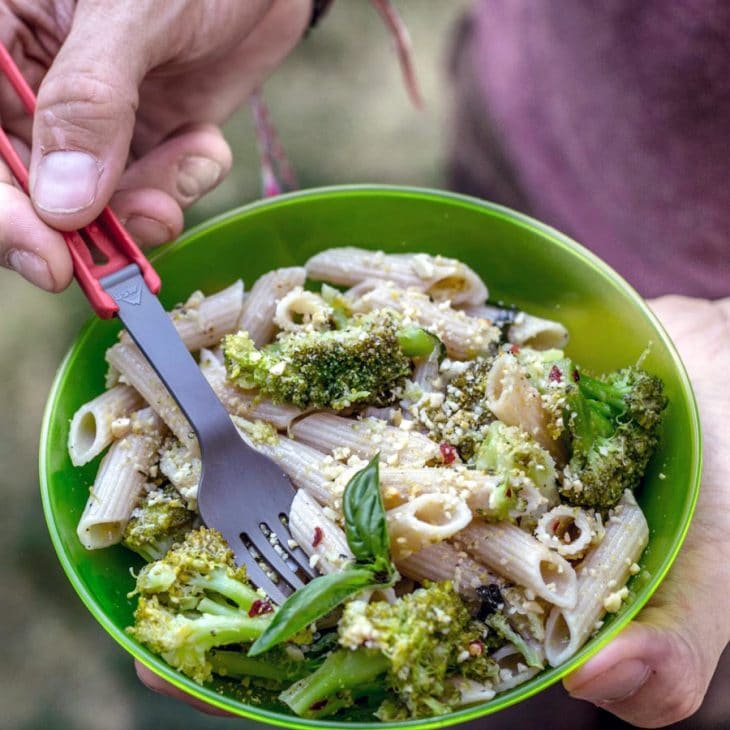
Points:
point(317, 535)
point(366, 437)
point(601, 582)
point(137, 372)
point(463, 336)
point(93, 425)
point(440, 277)
point(399, 484)
point(569, 530)
point(512, 668)
point(120, 482)
point(519, 557)
point(443, 561)
point(257, 316)
point(305, 466)
point(424, 520)
point(526, 329)
point(202, 321)
point(302, 310)
point(516, 402)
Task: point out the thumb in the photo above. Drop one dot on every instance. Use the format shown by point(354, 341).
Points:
point(654, 673)
point(85, 115)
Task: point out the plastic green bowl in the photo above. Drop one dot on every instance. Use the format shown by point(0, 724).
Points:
point(523, 262)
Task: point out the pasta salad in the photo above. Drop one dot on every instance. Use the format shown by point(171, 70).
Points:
point(464, 489)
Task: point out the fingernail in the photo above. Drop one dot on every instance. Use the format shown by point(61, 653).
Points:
point(31, 267)
point(615, 684)
point(148, 231)
point(66, 181)
point(197, 175)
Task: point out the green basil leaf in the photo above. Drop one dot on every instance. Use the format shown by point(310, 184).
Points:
point(311, 602)
point(366, 526)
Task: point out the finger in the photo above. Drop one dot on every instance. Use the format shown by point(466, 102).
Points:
point(85, 114)
point(650, 676)
point(159, 685)
point(186, 165)
point(29, 246)
point(152, 216)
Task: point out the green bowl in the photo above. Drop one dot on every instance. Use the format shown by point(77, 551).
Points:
point(523, 262)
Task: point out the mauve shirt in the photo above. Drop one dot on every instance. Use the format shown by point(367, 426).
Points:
point(609, 119)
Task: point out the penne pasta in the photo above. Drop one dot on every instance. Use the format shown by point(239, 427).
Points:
point(463, 336)
point(442, 561)
point(569, 530)
point(442, 278)
point(526, 329)
point(95, 425)
point(317, 535)
point(516, 402)
point(304, 465)
point(119, 482)
point(132, 365)
point(365, 438)
point(302, 310)
point(202, 321)
point(519, 557)
point(424, 520)
point(257, 315)
point(601, 582)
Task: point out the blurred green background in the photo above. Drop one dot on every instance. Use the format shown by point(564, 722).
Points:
point(343, 116)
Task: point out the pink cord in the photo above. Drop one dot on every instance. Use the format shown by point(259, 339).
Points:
point(277, 174)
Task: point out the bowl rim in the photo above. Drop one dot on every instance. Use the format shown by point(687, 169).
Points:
point(546, 678)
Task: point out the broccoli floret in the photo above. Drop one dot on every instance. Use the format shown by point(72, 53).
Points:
point(614, 427)
point(417, 642)
point(343, 677)
point(461, 420)
point(161, 520)
point(512, 454)
point(362, 363)
point(195, 599)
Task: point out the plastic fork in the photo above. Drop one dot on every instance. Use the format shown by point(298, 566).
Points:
point(242, 493)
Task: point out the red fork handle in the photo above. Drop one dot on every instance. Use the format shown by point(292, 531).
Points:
point(106, 233)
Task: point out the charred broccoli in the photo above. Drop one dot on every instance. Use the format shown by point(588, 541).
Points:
point(364, 362)
point(613, 423)
point(196, 599)
point(417, 642)
point(161, 520)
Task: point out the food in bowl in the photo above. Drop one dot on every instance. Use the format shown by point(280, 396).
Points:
point(495, 529)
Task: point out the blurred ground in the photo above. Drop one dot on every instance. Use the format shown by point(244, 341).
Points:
point(344, 117)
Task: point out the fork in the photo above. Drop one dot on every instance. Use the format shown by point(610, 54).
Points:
point(242, 494)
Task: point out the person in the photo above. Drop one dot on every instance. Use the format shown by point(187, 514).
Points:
point(130, 97)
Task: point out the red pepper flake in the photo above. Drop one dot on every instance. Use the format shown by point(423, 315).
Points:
point(448, 453)
point(555, 375)
point(318, 535)
point(555, 526)
point(514, 349)
point(318, 706)
point(576, 375)
point(259, 608)
point(476, 648)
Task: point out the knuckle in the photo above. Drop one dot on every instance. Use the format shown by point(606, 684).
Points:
point(689, 693)
point(77, 108)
